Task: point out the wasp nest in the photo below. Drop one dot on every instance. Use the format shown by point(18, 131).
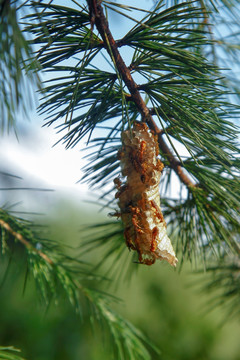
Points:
point(139, 198)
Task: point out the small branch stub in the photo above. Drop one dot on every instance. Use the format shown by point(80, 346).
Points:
point(139, 199)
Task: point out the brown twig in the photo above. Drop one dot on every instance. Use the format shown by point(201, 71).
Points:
point(97, 15)
point(20, 238)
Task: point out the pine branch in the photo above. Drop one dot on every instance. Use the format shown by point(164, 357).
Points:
point(182, 89)
point(22, 240)
point(98, 18)
point(16, 66)
point(49, 266)
point(129, 342)
point(9, 353)
point(57, 274)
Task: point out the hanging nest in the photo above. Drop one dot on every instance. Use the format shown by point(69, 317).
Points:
point(139, 198)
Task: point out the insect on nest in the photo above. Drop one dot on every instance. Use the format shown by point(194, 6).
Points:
point(139, 198)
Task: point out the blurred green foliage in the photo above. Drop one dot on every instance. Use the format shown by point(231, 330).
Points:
point(158, 301)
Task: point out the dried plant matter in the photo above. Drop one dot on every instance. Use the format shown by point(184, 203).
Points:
point(139, 199)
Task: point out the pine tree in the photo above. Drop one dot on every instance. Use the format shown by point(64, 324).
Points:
point(176, 89)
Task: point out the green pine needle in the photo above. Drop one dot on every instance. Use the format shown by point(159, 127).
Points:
point(9, 353)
